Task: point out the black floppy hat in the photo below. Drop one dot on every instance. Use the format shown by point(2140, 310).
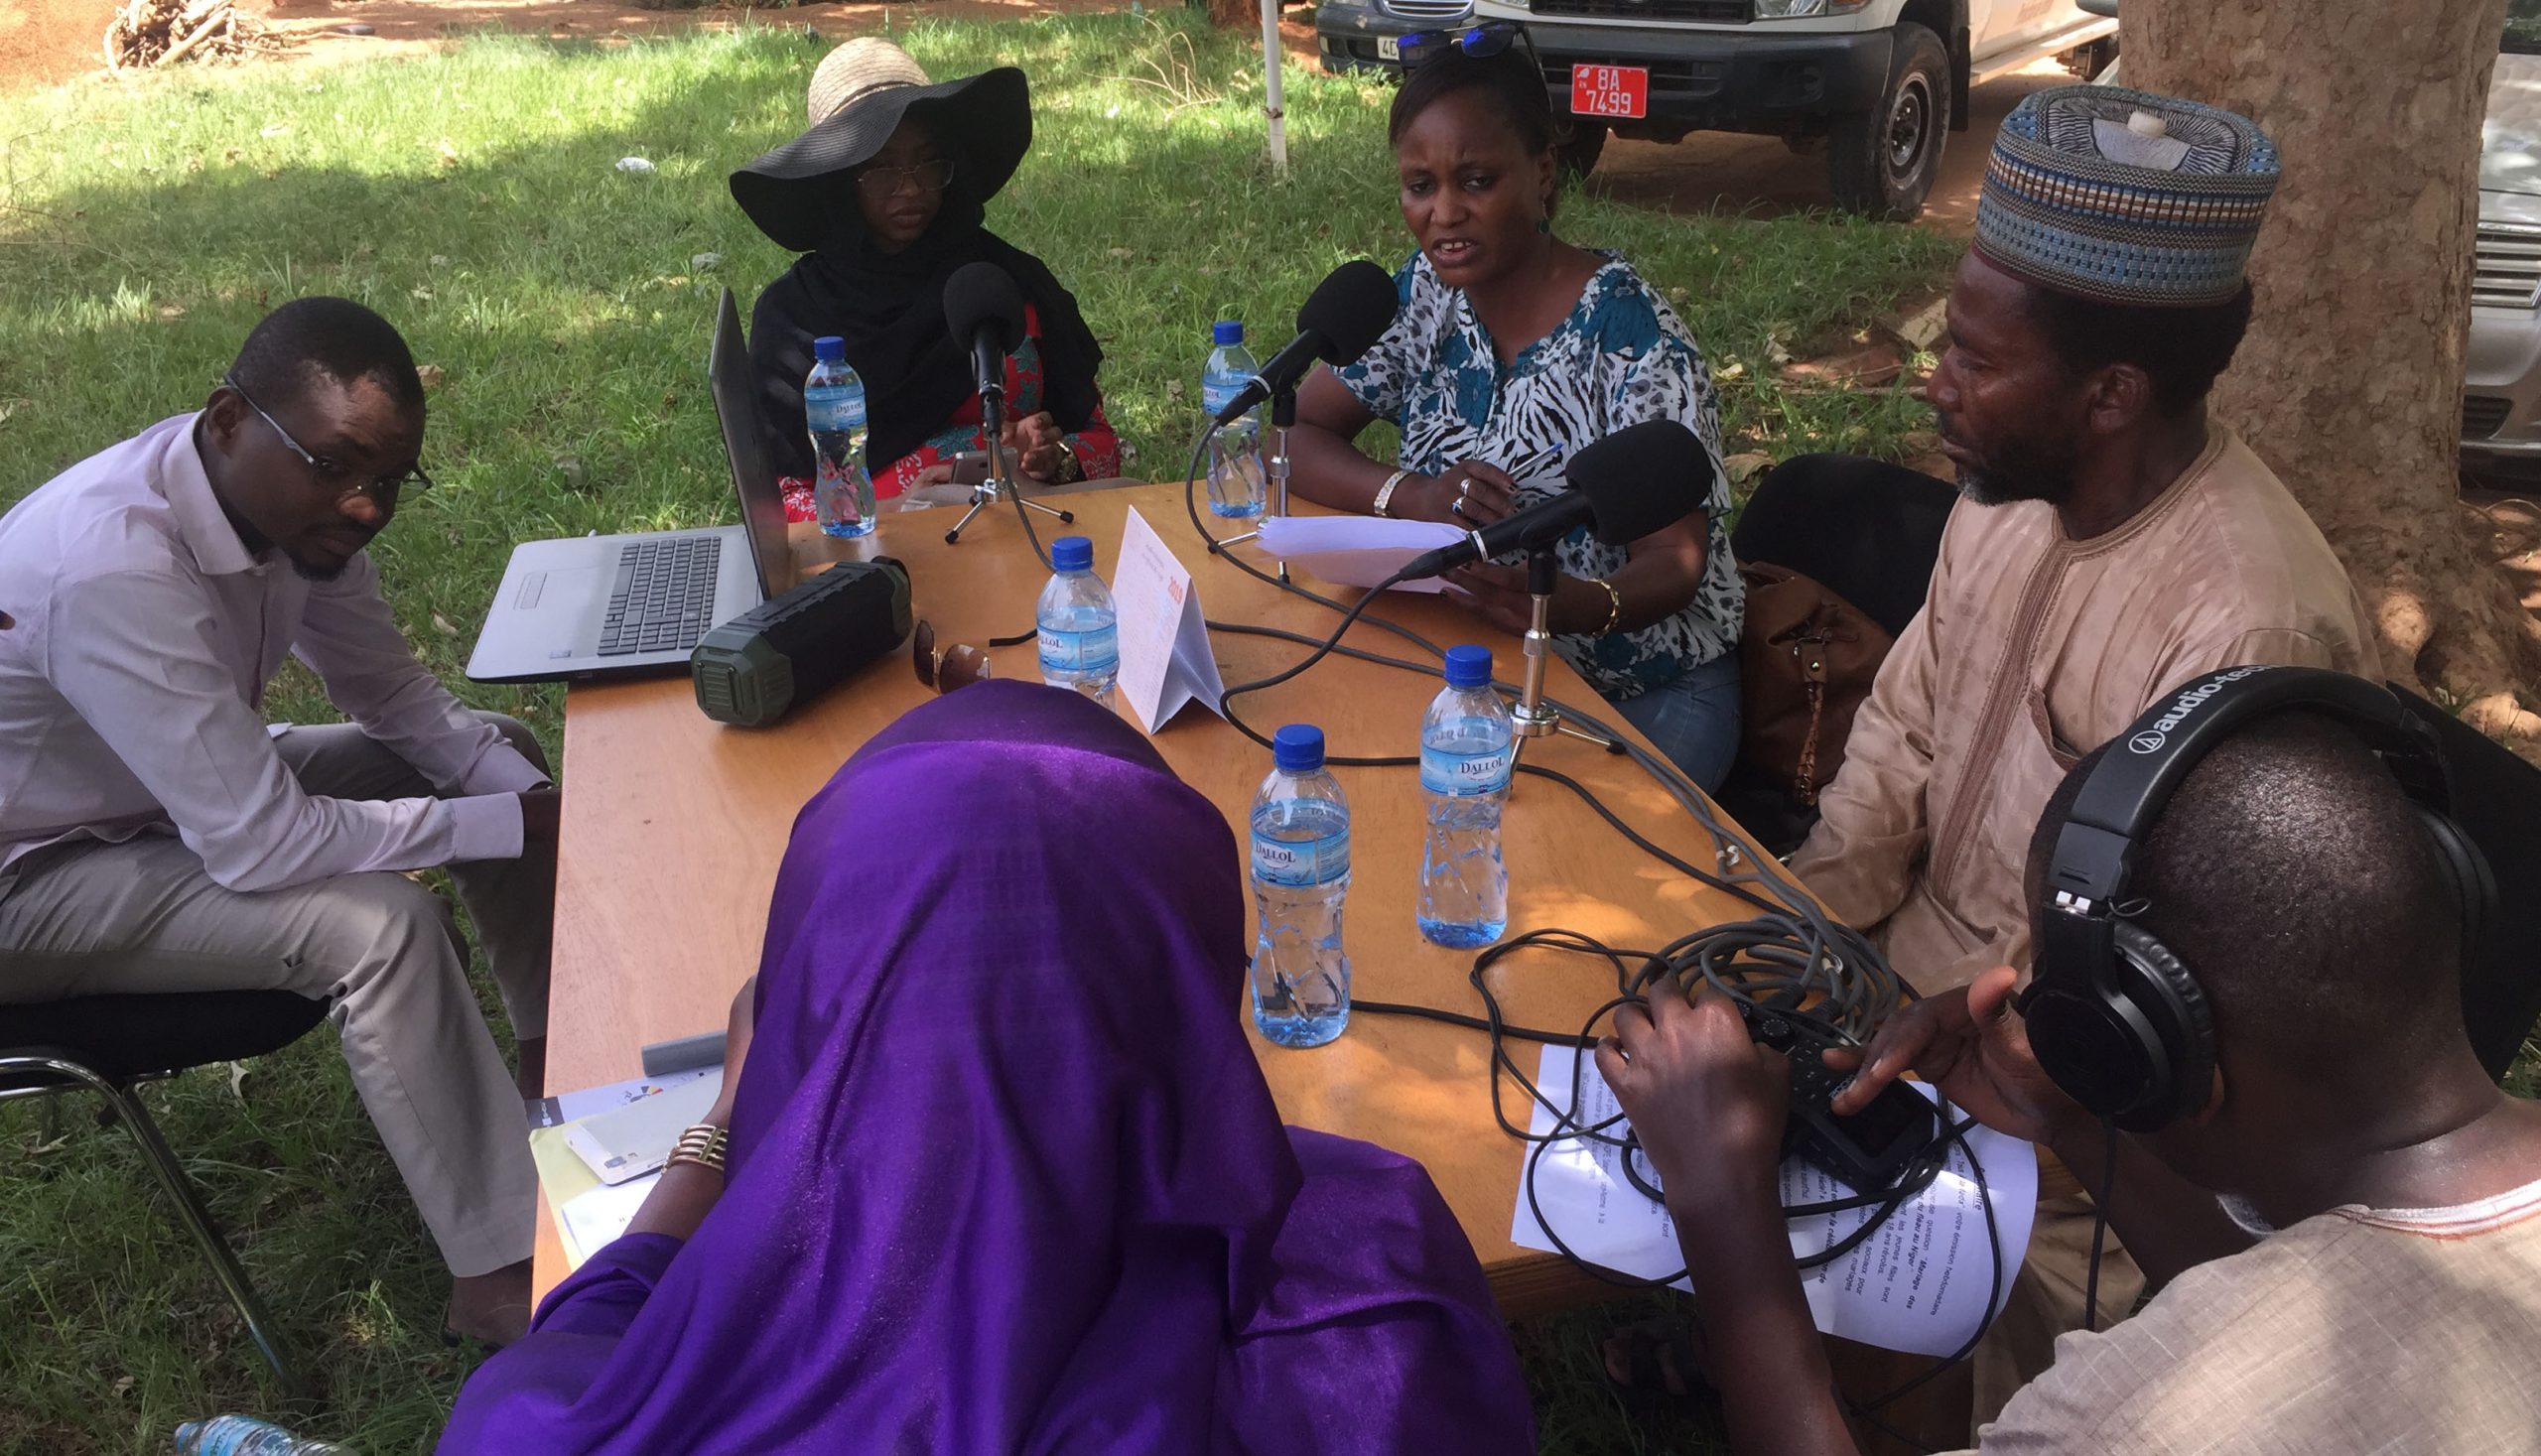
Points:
point(871, 86)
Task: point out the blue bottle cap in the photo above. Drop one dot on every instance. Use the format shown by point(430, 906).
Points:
point(1468, 666)
point(1072, 553)
point(1298, 749)
point(828, 346)
point(1227, 331)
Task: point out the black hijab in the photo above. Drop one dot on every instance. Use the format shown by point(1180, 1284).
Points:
point(890, 307)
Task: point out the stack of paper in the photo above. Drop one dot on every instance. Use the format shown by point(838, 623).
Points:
point(1355, 551)
point(591, 1214)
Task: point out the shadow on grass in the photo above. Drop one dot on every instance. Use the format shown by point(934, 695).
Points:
point(474, 199)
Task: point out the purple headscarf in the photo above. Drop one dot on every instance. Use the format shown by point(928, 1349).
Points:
point(1004, 1176)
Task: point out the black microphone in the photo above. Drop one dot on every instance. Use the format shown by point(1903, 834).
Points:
point(984, 310)
point(1641, 478)
point(1345, 314)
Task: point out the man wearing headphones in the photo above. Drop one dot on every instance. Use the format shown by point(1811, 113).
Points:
point(2247, 1006)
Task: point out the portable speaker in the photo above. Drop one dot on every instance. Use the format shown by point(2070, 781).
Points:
point(753, 669)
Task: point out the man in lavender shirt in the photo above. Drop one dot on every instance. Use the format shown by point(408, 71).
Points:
point(158, 835)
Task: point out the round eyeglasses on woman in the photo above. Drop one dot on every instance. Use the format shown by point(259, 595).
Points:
point(878, 183)
point(339, 478)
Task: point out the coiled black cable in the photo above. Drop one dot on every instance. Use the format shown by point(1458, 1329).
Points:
point(1792, 959)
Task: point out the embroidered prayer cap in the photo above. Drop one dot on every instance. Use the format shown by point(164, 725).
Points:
point(2125, 197)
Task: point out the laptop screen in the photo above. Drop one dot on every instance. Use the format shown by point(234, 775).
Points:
point(735, 388)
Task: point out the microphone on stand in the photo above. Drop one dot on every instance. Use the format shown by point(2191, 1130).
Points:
point(1345, 315)
point(984, 308)
point(1641, 478)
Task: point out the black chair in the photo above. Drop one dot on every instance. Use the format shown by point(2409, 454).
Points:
point(108, 1043)
point(1869, 532)
point(2496, 800)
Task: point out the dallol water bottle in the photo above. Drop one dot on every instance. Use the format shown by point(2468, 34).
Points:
point(1465, 763)
point(1301, 872)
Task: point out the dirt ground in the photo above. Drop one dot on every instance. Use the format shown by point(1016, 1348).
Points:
point(44, 41)
point(1761, 177)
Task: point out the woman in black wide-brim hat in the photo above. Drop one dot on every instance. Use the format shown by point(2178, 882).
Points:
point(884, 196)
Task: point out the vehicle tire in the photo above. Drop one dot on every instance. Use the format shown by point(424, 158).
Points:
point(1881, 163)
point(1578, 155)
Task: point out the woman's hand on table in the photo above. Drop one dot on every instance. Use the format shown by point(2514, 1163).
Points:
point(1467, 495)
point(686, 1192)
point(1038, 445)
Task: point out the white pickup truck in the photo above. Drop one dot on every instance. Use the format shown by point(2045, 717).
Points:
point(1880, 82)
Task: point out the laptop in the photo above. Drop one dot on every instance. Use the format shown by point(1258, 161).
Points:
point(599, 606)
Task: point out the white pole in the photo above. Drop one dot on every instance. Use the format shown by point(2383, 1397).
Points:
point(1271, 107)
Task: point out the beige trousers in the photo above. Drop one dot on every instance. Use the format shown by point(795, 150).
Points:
point(88, 918)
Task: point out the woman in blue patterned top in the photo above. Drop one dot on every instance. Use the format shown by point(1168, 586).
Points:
point(1513, 350)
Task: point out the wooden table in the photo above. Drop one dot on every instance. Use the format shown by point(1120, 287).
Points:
point(673, 826)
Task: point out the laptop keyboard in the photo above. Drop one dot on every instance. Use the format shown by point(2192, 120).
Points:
point(664, 593)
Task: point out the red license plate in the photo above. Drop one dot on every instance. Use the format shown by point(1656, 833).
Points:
point(1610, 91)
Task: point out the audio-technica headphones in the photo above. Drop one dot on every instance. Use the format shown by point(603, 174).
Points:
point(2113, 1016)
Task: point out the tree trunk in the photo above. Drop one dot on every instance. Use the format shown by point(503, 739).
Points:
point(1235, 15)
point(2351, 382)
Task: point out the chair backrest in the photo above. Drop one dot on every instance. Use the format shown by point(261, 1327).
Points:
point(125, 1037)
point(2496, 800)
point(1867, 531)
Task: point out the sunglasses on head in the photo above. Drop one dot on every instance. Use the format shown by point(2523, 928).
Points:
point(1487, 39)
point(957, 666)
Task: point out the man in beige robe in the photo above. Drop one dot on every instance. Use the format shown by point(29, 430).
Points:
point(2111, 542)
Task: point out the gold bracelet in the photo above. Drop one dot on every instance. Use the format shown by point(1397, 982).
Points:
point(703, 1146)
point(1384, 506)
point(1615, 611)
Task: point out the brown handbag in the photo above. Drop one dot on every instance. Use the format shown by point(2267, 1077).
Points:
point(1806, 660)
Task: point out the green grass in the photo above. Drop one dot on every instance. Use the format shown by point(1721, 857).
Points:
point(472, 198)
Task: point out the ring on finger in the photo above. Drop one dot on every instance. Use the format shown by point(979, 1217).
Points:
point(1458, 506)
point(1464, 488)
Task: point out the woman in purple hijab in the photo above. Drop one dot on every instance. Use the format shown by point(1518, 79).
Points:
point(1004, 1174)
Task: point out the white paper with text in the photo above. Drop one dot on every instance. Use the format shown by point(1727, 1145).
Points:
point(1919, 1285)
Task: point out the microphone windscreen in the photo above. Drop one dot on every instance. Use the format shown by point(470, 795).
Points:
point(984, 293)
point(1350, 309)
point(1641, 478)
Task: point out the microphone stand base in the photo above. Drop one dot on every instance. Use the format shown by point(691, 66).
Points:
point(1534, 717)
point(988, 493)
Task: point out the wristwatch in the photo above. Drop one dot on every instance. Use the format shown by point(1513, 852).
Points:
point(1385, 492)
point(1071, 469)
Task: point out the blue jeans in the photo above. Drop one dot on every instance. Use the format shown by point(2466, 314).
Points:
point(1694, 721)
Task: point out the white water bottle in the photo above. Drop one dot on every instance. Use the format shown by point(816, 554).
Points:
point(244, 1435)
point(834, 413)
point(1237, 489)
point(1078, 627)
point(1301, 874)
point(1466, 762)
